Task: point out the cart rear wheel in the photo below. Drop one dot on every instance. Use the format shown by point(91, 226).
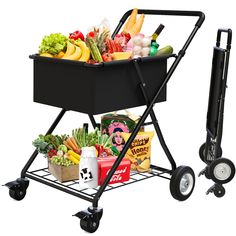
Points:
point(182, 183)
point(17, 194)
point(202, 152)
point(221, 170)
point(89, 225)
point(219, 191)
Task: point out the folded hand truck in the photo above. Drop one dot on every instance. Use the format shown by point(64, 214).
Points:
point(220, 170)
point(142, 82)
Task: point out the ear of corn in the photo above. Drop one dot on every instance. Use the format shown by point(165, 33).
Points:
point(75, 155)
point(138, 26)
point(73, 159)
point(131, 21)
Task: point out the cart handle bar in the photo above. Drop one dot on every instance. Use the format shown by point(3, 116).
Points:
point(151, 104)
point(200, 14)
point(229, 37)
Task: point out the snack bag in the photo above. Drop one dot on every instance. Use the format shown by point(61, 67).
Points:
point(139, 152)
point(116, 124)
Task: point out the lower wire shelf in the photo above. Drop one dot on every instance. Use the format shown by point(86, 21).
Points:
point(73, 188)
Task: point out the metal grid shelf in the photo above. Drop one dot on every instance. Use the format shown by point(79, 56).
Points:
point(72, 187)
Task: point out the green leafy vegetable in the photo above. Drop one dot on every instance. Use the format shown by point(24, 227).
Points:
point(41, 145)
point(53, 44)
point(44, 143)
point(85, 139)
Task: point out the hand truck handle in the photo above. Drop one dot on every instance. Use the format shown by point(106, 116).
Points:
point(229, 37)
point(162, 12)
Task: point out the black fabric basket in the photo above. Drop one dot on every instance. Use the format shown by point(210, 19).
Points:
point(99, 88)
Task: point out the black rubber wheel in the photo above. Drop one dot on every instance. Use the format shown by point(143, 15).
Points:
point(219, 191)
point(89, 225)
point(202, 152)
point(17, 194)
point(182, 183)
point(221, 170)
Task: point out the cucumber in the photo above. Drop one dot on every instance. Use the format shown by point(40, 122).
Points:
point(94, 49)
point(166, 50)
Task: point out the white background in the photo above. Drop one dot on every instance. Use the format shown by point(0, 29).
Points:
point(145, 208)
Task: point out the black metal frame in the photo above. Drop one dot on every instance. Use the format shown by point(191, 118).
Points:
point(148, 111)
point(213, 140)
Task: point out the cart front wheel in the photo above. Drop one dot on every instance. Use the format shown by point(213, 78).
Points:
point(182, 183)
point(17, 194)
point(17, 188)
point(89, 225)
point(202, 152)
point(221, 170)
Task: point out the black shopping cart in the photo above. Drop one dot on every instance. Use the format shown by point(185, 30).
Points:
point(220, 170)
point(142, 82)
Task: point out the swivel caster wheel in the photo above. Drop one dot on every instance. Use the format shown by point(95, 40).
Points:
point(202, 152)
point(221, 170)
point(182, 183)
point(217, 189)
point(90, 219)
point(89, 225)
point(17, 188)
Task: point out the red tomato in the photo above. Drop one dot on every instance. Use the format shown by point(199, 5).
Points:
point(106, 57)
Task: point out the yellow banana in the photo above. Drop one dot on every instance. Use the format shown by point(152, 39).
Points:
point(76, 55)
point(70, 49)
point(85, 51)
point(45, 54)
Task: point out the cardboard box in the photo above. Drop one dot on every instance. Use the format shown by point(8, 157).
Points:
point(122, 173)
point(63, 173)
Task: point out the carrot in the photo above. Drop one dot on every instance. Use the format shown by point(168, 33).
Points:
point(137, 27)
point(67, 145)
point(131, 21)
point(78, 149)
point(71, 144)
point(74, 142)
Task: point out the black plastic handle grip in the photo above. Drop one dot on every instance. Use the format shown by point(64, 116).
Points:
point(229, 37)
point(200, 14)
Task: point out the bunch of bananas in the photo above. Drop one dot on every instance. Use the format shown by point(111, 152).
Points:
point(75, 51)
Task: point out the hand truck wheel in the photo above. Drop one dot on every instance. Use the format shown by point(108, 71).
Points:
point(182, 183)
point(17, 188)
point(221, 170)
point(202, 152)
point(219, 191)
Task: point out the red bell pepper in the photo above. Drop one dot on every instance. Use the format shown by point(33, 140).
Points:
point(99, 148)
point(52, 152)
point(76, 35)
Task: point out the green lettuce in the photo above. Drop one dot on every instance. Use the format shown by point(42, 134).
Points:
point(53, 44)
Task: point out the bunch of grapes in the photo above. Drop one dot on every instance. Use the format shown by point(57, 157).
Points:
point(61, 161)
